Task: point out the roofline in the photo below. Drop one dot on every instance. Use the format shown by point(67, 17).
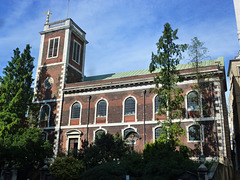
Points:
point(230, 64)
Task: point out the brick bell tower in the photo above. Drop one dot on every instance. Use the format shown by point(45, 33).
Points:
point(61, 60)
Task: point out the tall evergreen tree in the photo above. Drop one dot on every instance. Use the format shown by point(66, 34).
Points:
point(171, 99)
point(16, 94)
point(20, 144)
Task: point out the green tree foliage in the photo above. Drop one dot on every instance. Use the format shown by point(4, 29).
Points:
point(67, 168)
point(16, 93)
point(106, 148)
point(162, 161)
point(20, 144)
point(165, 62)
point(105, 171)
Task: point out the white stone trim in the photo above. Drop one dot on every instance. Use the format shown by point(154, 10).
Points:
point(47, 101)
point(75, 68)
point(127, 123)
point(70, 113)
point(123, 105)
point(52, 64)
point(73, 133)
point(95, 114)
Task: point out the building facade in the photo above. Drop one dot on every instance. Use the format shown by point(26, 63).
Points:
point(74, 107)
point(234, 107)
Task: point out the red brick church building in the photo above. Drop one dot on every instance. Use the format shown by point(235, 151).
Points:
point(74, 107)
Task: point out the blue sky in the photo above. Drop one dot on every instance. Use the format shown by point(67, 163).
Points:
point(122, 34)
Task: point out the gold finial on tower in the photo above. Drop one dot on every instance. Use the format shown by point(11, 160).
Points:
point(48, 13)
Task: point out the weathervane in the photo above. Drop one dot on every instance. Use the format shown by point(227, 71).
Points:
point(48, 13)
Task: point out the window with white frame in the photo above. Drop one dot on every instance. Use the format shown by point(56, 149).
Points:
point(194, 133)
point(158, 132)
point(76, 52)
point(157, 104)
point(99, 132)
point(101, 108)
point(129, 106)
point(44, 113)
point(53, 47)
point(193, 101)
point(75, 111)
point(73, 140)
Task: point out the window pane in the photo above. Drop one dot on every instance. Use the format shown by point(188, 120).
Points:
point(44, 114)
point(99, 133)
point(101, 108)
point(55, 47)
point(157, 104)
point(158, 132)
point(130, 106)
point(75, 111)
point(78, 53)
point(74, 51)
point(50, 54)
point(194, 133)
point(192, 100)
point(73, 144)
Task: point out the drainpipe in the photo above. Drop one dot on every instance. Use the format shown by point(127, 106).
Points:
point(144, 138)
point(89, 100)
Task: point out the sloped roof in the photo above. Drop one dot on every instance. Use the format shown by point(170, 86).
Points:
point(213, 62)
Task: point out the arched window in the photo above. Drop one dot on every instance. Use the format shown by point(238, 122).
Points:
point(101, 108)
point(157, 104)
point(192, 101)
point(99, 133)
point(44, 113)
point(129, 106)
point(75, 112)
point(158, 132)
point(194, 133)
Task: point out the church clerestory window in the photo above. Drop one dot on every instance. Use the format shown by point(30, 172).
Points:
point(75, 112)
point(129, 106)
point(193, 101)
point(101, 108)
